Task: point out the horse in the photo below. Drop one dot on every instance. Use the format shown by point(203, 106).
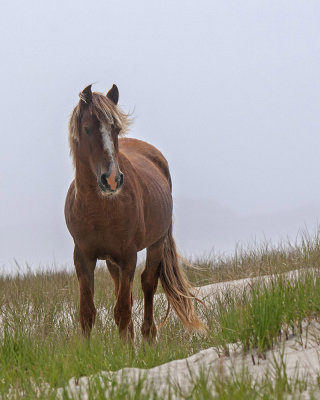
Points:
point(119, 203)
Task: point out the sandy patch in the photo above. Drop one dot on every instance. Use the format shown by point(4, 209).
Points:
point(297, 357)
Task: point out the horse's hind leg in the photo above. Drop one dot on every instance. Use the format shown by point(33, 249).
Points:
point(85, 273)
point(123, 307)
point(149, 282)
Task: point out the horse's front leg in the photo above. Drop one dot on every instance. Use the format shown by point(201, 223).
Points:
point(85, 272)
point(123, 307)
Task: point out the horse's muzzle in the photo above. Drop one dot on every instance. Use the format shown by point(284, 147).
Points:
point(110, 184)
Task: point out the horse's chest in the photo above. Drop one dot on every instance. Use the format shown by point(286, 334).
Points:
point(102, 241)
point(102, 233)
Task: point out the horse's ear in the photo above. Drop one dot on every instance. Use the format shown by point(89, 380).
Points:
point(113, 94)
point(86, 95)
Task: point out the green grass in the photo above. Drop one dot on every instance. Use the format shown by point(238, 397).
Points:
point(40, 339)
point(256, 319)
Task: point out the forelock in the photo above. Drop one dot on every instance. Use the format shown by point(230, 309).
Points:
point(106, 112)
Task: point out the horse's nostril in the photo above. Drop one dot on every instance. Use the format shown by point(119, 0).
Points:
point(120, 183)
point(104, 180)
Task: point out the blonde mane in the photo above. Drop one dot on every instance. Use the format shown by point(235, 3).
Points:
point(105, 111)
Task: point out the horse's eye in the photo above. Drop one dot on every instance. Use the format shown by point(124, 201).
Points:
point(87, 131)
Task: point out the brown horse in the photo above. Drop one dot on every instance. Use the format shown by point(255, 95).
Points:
point(118, 204)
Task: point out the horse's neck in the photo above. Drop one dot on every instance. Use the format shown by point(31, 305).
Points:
point(85, 180)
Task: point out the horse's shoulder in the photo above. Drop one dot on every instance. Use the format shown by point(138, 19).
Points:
point(69, 202)
point(71, 191)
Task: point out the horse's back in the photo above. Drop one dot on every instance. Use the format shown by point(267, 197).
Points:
point(141, 153)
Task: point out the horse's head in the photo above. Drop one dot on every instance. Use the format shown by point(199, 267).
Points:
point(93, 131)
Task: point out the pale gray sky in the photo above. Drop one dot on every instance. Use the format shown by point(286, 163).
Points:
point(228, 90)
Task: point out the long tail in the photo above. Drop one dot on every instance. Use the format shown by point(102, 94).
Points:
point(177, 288)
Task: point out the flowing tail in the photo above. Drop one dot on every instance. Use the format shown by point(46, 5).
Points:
point(177, 288)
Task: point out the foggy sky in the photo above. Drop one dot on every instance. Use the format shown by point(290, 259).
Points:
point(229, 91)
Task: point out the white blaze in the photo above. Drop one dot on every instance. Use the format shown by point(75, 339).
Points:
point(107, 141)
